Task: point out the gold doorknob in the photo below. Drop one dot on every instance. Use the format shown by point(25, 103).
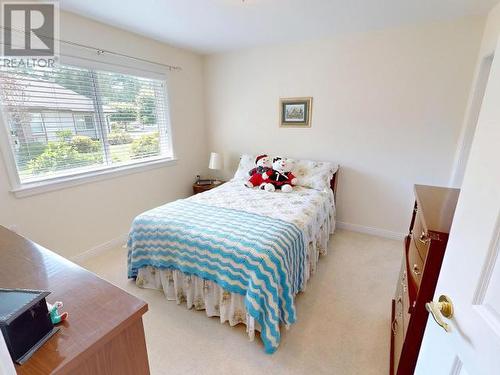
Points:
point(443, 307)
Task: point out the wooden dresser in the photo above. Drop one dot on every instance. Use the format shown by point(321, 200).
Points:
point(104, 332)
point(423, 253)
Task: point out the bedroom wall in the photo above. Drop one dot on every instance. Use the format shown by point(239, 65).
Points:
point(388, 107)
point(481, 75)
point(74, 220)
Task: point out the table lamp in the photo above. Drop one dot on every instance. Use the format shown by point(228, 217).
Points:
point(216, 163)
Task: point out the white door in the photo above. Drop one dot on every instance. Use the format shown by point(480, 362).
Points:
point(470, 274)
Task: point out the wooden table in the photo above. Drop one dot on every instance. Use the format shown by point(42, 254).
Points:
point(197, 188)
point(104, 333)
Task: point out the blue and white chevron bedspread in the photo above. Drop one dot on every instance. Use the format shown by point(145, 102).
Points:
point(259, 257)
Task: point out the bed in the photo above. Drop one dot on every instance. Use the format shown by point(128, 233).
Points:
point(238, 253)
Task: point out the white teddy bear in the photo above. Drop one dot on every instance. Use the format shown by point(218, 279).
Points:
point(280, 177)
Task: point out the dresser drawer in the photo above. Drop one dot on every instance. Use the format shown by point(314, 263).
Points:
point(398, 336)
point(402, 284)
point(406, 312)
point(420, 237)
point(415, 263)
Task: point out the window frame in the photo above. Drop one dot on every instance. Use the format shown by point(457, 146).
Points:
point(83, 117)
point(43, 131)
point(65, 180)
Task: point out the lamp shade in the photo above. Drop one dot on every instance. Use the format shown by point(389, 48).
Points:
point(215, 161)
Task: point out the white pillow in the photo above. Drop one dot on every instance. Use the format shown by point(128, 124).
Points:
point(309, 173)
point(247, 163)
point(314, 174)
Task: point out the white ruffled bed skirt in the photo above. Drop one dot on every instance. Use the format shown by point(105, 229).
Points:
point(207, 295)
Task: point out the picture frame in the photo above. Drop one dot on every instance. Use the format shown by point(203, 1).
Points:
point(295, 112)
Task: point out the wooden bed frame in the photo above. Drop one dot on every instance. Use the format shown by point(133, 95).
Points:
point(333, 184)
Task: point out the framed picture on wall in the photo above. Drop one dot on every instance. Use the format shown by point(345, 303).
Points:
point(295, 112)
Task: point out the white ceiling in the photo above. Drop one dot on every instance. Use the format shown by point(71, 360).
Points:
point(209, 26)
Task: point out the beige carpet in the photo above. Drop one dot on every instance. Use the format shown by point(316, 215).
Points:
point(342, 328)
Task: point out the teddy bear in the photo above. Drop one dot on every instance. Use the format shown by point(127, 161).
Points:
point(259, 174)
point(280, 177)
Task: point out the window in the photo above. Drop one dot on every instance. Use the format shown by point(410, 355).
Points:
point(36, 123)
point(69, 120)
point(84, 122)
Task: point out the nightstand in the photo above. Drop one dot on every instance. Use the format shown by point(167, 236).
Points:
point(201, 188)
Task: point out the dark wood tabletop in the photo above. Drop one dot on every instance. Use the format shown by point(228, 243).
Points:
point(197, 188)
point(98, 311)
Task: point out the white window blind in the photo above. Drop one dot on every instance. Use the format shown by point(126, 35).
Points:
point(70, 120)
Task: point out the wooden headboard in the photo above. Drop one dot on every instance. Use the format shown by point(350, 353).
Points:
point(333, 184)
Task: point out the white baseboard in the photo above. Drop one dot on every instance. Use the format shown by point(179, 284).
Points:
point(370, 230)
point(99, 249)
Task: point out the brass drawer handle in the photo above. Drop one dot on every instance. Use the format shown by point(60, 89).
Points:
point(416, 270)
point(394, 326)
point(400, 300)
point(424, 238)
